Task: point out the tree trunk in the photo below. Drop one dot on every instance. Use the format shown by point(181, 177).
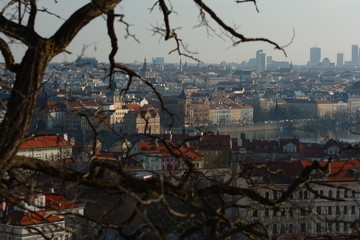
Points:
point(22, 101)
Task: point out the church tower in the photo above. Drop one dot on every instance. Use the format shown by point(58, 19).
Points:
point(114, 97)
point(144, 68)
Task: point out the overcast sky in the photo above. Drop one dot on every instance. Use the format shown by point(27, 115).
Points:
point(331, 25)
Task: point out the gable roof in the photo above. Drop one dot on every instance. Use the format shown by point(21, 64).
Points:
point(45, 142)
point(21, 218)
point(205, 142)
point(339, 171)
point(161, 150)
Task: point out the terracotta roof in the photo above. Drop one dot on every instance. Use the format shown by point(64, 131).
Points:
point(324, 101)
point(206, 142)
point(52, 202)
point(332, 142)
point(22, 218)
point(339, 170)
point(311, 150)
point(279, 172)
point(163, 151)
point(262, 146)
point(45, 142)
point(57, 202)
point(133, 106)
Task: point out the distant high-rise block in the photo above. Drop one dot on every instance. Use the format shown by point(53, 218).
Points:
point(315, 56)
point(340, 59)
point(158, 60)
point(355, 55)
point(260, 61)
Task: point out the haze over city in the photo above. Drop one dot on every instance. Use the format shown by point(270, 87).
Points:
point(326, 24)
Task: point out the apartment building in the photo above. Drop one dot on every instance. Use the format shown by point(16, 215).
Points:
point(324, 206)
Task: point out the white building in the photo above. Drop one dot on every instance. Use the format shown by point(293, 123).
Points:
point(39, 217)
point(324, 205)
point(49, 148)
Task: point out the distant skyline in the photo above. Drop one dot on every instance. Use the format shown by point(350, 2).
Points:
point(328, 24)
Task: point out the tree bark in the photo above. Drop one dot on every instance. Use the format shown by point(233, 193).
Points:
point(23, 100)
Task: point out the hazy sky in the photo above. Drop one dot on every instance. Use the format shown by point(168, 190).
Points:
point(331, 25)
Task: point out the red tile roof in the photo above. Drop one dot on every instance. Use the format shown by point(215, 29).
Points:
point(205, 142)
point(22, 218)
point(57, 202)
point(45, 142)
point(311, 150)
point(339, 170)
point(163, 151)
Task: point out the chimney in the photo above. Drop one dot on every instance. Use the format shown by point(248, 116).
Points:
point(4, 205)
point(66, 137)
point(239, 143)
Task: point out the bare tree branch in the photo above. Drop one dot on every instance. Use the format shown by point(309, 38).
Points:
point(9, 59)
point(229, 29)
point(33, 12)
point(19, 32)
point(78, 20)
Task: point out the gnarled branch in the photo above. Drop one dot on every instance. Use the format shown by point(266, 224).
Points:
point(231, 30)
point(9, 58)
point(78, 20)
point(18, 32)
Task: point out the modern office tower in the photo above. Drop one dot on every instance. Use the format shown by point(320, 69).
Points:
point(269, 59)
point(355, 55)
point(339, 59)
point(260, 61)
point(158, 60)
point(315, 56)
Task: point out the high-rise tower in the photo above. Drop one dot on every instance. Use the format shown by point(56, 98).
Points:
point(355, 55)
point(315, 56)
point(339, 59)
point(260, 61)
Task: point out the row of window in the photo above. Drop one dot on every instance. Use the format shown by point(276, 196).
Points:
point(317, 195)
point(320, 228)
point(329, 210)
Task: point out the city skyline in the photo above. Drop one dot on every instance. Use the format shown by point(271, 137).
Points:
point(325, 24)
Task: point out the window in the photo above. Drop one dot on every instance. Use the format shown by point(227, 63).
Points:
point(345, 227)
point(337, 227)
point(274, 229)
point(352, 209)
point(330, 194)
point(338, 194)
point(337, 210)
point(318, 228)
point(274, 213)
point(255, 213)
point(318, 210)
point(346, 194)
point(291, 212)
point(291, 228)
point(302, 212)
point(353, 194)
point(282, 228)
point(329, 227)
point(345, 209)
point(275, 195)
point(329, 210)
point(300, 195)
point(305, 194)
point(283, 212)
point(267, 195)
point(266, 212)
point(303, 227)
